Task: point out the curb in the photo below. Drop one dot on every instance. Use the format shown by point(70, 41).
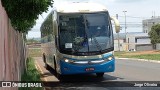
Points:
point(135, 59)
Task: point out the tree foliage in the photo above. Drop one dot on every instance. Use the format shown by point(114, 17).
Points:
point(155, 34)
point(23, 13)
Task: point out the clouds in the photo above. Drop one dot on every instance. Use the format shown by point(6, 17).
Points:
point(128, 1)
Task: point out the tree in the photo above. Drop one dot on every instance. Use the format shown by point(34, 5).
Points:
point(155, 34)
point(23, 13)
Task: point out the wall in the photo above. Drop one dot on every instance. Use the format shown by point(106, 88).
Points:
point(144, 47)
point(12, 51)
point(121, 47)
point(158, 46)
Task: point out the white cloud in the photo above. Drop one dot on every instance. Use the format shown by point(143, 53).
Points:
point(32, 34)
point(128, 1)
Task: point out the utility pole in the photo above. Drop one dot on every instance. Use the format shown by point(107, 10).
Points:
point(125, 30)
point(125, 27)
point(118, 36)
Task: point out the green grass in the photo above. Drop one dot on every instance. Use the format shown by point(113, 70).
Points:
point(141, 56)
point(119, 53)
point(31, 74)
point(34, 52)
point(146, 56)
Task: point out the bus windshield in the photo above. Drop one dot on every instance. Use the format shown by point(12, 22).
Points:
point(81, 34)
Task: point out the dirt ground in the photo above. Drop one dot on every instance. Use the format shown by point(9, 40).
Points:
point(143, 52)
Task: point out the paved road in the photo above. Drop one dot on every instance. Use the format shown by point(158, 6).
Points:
point(126, 70)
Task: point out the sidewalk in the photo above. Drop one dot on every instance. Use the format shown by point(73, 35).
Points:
point(135, 59)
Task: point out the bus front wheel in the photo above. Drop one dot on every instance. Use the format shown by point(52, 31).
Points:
point(99, 74)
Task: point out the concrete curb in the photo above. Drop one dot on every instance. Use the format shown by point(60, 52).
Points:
point(135, 59)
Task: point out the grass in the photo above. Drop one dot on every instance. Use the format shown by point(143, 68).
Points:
point(146, 56)
point(34, 52)
point(118, 54)
point(31, 74)
point(149, 56)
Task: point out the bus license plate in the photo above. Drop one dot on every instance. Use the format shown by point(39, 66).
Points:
point(89, 69)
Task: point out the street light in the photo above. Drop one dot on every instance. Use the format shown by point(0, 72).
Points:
point(125, 24)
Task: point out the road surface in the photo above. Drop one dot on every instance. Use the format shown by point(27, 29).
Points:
point(126, 71)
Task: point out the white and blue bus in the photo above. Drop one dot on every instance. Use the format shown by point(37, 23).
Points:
point(77, 38)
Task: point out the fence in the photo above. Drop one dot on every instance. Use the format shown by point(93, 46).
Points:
point(12, 51)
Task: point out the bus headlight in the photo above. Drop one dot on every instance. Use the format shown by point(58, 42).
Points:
point(110, 58)
point(68, 60)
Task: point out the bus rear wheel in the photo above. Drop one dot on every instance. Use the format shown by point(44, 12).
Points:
point(46, 66)
point(55, 67)
point(99, 74)
point(44, 60)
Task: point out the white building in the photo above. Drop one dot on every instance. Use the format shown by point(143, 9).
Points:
point(121, 39)
point(135, 41)
point(138, 42)
point(148, 23)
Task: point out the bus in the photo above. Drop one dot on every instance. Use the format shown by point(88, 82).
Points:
point(77, 38)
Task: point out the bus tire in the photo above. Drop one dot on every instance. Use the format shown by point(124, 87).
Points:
point(46, 66)
point(55, 67)
point(100, 74)
point(59, 76)
point(44, 60)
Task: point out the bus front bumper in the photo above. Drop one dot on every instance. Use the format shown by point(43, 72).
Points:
point(68, 68)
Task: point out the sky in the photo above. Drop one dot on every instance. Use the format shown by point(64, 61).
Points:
point(137, 10)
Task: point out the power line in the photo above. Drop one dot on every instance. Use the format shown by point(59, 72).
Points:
point(135, 17)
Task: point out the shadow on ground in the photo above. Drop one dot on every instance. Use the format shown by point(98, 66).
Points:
point(91, 82)
point(82, 77)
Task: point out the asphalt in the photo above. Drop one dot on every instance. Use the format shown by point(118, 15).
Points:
point(127, 71)
point(135, 59)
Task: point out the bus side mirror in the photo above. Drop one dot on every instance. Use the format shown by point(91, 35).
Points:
point(117, 25)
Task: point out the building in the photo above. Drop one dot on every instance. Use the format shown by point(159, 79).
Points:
point(148, 23)
point(138, 42)
point(135, 41)
point(121, 39)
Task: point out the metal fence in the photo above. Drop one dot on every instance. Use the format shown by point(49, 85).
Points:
point(12, 51)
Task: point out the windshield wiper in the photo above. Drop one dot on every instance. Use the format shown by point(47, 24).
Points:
point(97, 44)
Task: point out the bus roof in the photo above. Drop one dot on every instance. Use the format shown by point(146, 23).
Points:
point(79, 7)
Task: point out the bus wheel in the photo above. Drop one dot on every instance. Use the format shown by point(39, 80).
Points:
point(55, 67)
point(99, 74)
point(46, 66)
point(59, 76)
point(44, 60)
